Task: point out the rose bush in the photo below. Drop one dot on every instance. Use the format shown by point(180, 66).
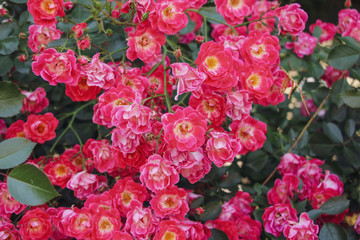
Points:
point(144, 119)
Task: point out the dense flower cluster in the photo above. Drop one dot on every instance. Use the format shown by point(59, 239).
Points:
point(168, 123)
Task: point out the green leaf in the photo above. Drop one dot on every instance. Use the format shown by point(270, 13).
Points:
point(11, 99)
point(317, 32)
point(15, 151)
point(352, 157)
point(350, 127)
point(351, 98)
point(189, 27)
point(343, 57)
point(197, 202)
point(320, 144)
point(5, 65)
point(337, 88)
point(29, 185)
point(257, 160)
point(212, 13)
point(5, 30)
point(315, 69)
point(19, 1)
point(314, 214)
point(8, 45)
point(218, 235)
point(333, 132)
point(212, 210)
point(351, 42)
point(332, 231)
point(355, 73)
point(334, 206)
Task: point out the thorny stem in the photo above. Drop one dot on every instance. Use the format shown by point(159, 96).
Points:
point(300, 135)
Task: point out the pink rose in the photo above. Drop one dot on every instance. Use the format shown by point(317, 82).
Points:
point(234, 11)
point(35, 225)
point(328, 30)
point(304, 229)
point(56, 67)
point(41, 35)
point(292, 19)
point(41, 128)
point(84, 184)
point(34, 102)
point(277, 217)
point(305, 44)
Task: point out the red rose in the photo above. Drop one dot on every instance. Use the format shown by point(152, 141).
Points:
point(40, 128)
point(46, 11)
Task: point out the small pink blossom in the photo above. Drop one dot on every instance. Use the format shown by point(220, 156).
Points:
point(277, 217)
point(292, 19)
point(158, 174)
point(84, 184)
point(238, 105)
point(234, 11)
point(34, 102)
point(328, 30)
point(305, 229)
point(41, 35)
point(305, 45)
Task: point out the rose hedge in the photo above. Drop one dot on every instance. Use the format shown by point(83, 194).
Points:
point(146, 119)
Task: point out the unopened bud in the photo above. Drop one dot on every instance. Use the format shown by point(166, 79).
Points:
point(199, 39)
point(109, 32)
point(68, 5)
point(177, 53)
point(22, 35)
point(145, 16)
point(347, 3)
point(22, 58)
point(97, 5)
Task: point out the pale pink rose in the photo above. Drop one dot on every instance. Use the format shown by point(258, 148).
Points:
point(9, 205)
point(305, 229)
point(221, 148)
point(99, 74)
point(277, 217)
point(56, 67)
point(188, 78)
point(292, 19)
point(158, 174)
point(353, 31)
point(170, 202)
point(328, 30)
point(135, 117)
point(170, 17)
point(290, 163)
point(144, 43)
point(305, 45)
point(347, 17)
point(197, 171)
point(34, 102)
point(83, 184)
point(41, 35)
point(238, 105)
point(140, 223)
point(234, 11)
point(125, 140)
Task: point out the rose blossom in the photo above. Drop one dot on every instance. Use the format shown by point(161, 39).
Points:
point(234, 11)
point(188, 78)
point(248, 228)
point(41, 35)
point(35, 225)
point(228, 227)
point(170, 202)
point(305, 229)
point(282, 192)
point(34, 102)
point(16, 130)
point(305, 44)
point(140, 222)
point(9, 205)
point(169, 229)
point(41, 128)
point(78, 29)
point(185, 129)
point(144, 43)
point(218, 64)
point(46, 11)
point(60, 171)
point(238, 105)
point(158, 174)
point(277, 217)
point(292, 19)
point(328, 30)
point(82, 91)
point(170, 17)
point(56, 67)
point(347, 17)
point(99, 74)
point(332, 75)
point(250, 133)
point(83, 184)
point(221, 148)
